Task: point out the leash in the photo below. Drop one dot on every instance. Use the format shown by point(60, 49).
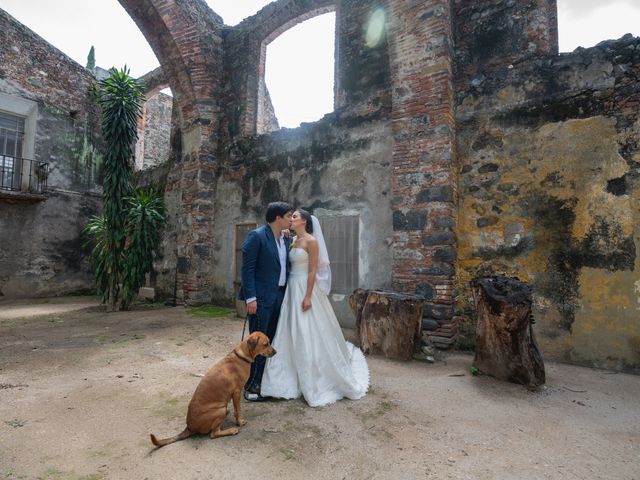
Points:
point(246, 320)
point(244, 327)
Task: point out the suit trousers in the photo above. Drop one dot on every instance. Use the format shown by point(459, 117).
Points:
point(265, 321)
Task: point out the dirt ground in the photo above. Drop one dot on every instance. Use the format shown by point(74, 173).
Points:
point(81, 390)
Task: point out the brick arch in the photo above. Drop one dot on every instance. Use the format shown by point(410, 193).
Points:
point(181, 34)
point(260, 30)
point(186, 37)
point(154, 81)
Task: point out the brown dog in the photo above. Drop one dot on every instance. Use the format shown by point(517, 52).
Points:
point(223, 382)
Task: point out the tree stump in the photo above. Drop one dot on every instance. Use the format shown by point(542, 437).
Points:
point(505, 345)
point(387, 322)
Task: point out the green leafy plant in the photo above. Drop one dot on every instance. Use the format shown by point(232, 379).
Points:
point(125, 238)
point(145, 218)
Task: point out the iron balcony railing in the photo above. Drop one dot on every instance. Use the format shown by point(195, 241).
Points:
point(23, 175)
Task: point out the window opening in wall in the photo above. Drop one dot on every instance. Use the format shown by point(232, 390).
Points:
point(11, 140)
point(154, 130)
point(585, 23)
point(299, 75)
point(242, 230)
point(342, 236)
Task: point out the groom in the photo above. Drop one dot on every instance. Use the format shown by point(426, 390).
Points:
point(265, 266)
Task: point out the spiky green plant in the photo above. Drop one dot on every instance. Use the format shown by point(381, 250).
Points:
point(145, 218)
point(118, 250)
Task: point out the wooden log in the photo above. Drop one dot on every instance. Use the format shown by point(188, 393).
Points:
point(505, 345)
point(356, 303)
point(387, 322)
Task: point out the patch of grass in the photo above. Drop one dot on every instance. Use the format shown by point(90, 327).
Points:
point(53, 473)
point(288, 453)
point(92, 476)
point(83, 292)
point(16, 423)
point(384, 406)
point(210, 311)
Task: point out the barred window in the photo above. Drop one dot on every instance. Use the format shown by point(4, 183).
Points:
point(11, 141)
point(342, 236)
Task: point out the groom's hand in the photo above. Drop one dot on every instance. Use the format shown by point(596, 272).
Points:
point(252, 307)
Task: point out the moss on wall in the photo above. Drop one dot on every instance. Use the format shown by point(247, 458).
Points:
point(538, 204)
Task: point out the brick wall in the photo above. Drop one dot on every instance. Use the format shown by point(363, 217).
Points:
point(423, 181)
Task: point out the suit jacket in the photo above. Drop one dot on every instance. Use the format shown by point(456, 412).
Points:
point(261, 266)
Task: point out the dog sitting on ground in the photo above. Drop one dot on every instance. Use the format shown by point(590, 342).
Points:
point(224, 381)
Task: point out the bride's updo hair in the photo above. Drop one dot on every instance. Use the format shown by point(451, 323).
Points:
point(307, 216)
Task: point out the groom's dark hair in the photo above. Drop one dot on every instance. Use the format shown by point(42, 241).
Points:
point(277, 209)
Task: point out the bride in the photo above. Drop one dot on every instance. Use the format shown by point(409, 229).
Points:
point(313, 357)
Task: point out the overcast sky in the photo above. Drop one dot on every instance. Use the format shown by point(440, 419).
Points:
point(299, 63)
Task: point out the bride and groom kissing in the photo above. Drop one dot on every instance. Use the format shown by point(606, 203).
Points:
point(285, 283)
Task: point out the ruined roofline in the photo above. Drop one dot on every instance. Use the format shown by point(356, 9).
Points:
point(28, 32)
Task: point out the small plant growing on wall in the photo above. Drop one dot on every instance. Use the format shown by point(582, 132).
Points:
point(124, 239)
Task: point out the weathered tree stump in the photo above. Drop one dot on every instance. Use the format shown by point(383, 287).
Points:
point(505, 345)
point(386, 322)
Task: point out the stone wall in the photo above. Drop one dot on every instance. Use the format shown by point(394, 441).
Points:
point(329, 168)
point(550, 193)
point(460, 137)
point(41, 241)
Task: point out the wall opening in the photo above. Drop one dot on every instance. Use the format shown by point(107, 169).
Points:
point(585, 23)
point(297, 81)
point(154, 130)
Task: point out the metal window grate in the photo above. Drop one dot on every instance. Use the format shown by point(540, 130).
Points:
point(16, 173)
point(342, 236)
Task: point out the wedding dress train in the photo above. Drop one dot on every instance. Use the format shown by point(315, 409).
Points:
point(313, 359)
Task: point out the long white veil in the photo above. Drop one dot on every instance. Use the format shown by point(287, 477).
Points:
point(323, 274)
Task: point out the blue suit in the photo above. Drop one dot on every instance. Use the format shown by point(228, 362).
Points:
point(260, 275)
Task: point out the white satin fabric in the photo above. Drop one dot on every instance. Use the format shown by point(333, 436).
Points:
point(313, 359)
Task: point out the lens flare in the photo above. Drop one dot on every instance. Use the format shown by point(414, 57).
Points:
point(375, 28)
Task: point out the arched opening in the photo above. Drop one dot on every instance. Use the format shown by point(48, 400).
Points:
point(297, 80)
point(585, 23)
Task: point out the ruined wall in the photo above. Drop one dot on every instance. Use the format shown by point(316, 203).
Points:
point(327, 167)
point(41, 242)
point(550, 193)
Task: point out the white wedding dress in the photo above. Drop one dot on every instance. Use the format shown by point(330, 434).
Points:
point(313, 358)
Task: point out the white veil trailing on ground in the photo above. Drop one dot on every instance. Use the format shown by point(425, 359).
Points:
point(323, 275)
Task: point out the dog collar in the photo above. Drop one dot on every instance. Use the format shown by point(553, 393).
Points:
point(241, 357)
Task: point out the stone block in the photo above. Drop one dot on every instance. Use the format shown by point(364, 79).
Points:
point(147, 293)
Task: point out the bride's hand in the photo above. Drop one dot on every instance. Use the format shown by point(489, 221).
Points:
point(306, 304)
